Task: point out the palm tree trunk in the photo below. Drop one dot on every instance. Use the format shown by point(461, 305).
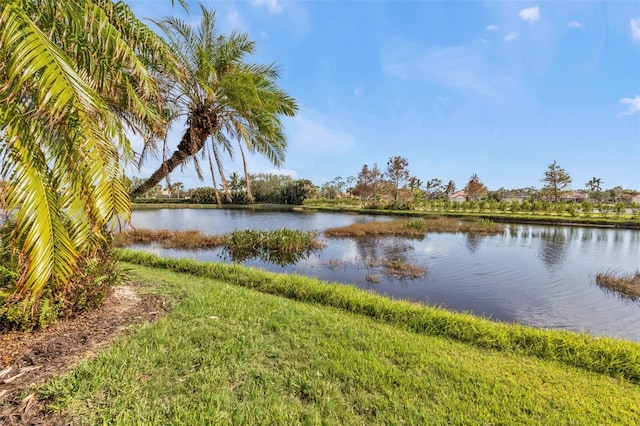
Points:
point(247, 178)
point(215, 184)
point(201, 126)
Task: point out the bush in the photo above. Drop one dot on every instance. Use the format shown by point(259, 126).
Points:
point(88, 288)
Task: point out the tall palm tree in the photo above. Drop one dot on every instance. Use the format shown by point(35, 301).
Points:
point(223, 99)
point(594, 184)
point(74, 75)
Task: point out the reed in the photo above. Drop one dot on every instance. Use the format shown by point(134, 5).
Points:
point(626, 286)
point(188, 240)
point(416, 228)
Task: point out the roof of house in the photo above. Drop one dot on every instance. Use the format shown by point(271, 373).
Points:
point(461, 193)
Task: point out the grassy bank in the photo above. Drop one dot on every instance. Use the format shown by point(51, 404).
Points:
point(232, 355)
point(617, 358)
point(611, 221)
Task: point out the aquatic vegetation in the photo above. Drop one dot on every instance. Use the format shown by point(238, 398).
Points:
point(416, 228)
point(626, 286)
point(188, 240)
point(280, 246)
point(397, 268)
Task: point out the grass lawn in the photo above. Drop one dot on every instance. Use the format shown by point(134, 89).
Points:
point(232, 355)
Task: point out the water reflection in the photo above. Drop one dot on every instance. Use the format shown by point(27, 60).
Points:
point(473, 242)
point(536, 275)
point(276, 257)
point(387, 256)
point(553, 244)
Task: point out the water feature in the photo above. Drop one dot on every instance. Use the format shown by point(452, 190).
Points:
point(536, 275)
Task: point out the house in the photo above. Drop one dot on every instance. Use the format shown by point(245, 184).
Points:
point(511, 196)
point(459, 196)
point(576, 196)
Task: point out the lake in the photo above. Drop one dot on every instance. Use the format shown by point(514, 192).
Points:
point(541, 276)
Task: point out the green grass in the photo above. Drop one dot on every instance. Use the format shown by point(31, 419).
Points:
point(551, 218)
point(617, 358)
point(232, 355)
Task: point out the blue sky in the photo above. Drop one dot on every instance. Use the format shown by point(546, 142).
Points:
point(500, 89)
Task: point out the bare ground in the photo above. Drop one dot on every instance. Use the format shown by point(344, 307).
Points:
point(29, 359)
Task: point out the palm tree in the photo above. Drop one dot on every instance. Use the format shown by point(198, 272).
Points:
point(594, 184)
point(73, 76)
point(223, 99)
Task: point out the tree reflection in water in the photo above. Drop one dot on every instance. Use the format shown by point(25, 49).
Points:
point(553, 247)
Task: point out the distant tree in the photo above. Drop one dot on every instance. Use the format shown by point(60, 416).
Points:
point(328, 190)
point(594, 184)
point(175, 189)
point(296, 191)
point(475, 188)
point(203, 195)
point(339, 184)
point(556, 180)
point(368, 183)
point(415, 186)
point(615, 193)
point(434, 188)
point(398, 173)
point(268, 187)
point(450, 189)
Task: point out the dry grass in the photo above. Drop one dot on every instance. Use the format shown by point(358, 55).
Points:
point(401, 270)
point(187, 240)
point(415, 228)
point(627, 286)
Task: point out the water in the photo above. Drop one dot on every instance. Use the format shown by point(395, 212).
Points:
point(535, 275)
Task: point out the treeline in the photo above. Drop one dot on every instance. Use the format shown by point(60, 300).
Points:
point(396, 188)
point(264, 188)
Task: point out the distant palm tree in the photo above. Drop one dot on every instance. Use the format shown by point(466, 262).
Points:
point(73, 74)
point(223, 99)
point(594, 184)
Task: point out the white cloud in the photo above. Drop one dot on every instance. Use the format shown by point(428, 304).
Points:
point(492, 28)
point(634, 105)
point(466, 68)
point(635, 30)
point(273, 6)
point(234, 20)
point(511, 36)
point(575, 24)
point(281, 172)
point(313, 135)
point(530, 14)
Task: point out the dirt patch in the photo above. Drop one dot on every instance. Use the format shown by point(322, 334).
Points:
point(28, 359)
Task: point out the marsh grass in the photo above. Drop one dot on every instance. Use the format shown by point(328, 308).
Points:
point(280, 246)
point(416, 228)
point(187, 240)
point(403, 270)
point(617, 358)
point(398, 268)
point(231, 355)
point(626, 286)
